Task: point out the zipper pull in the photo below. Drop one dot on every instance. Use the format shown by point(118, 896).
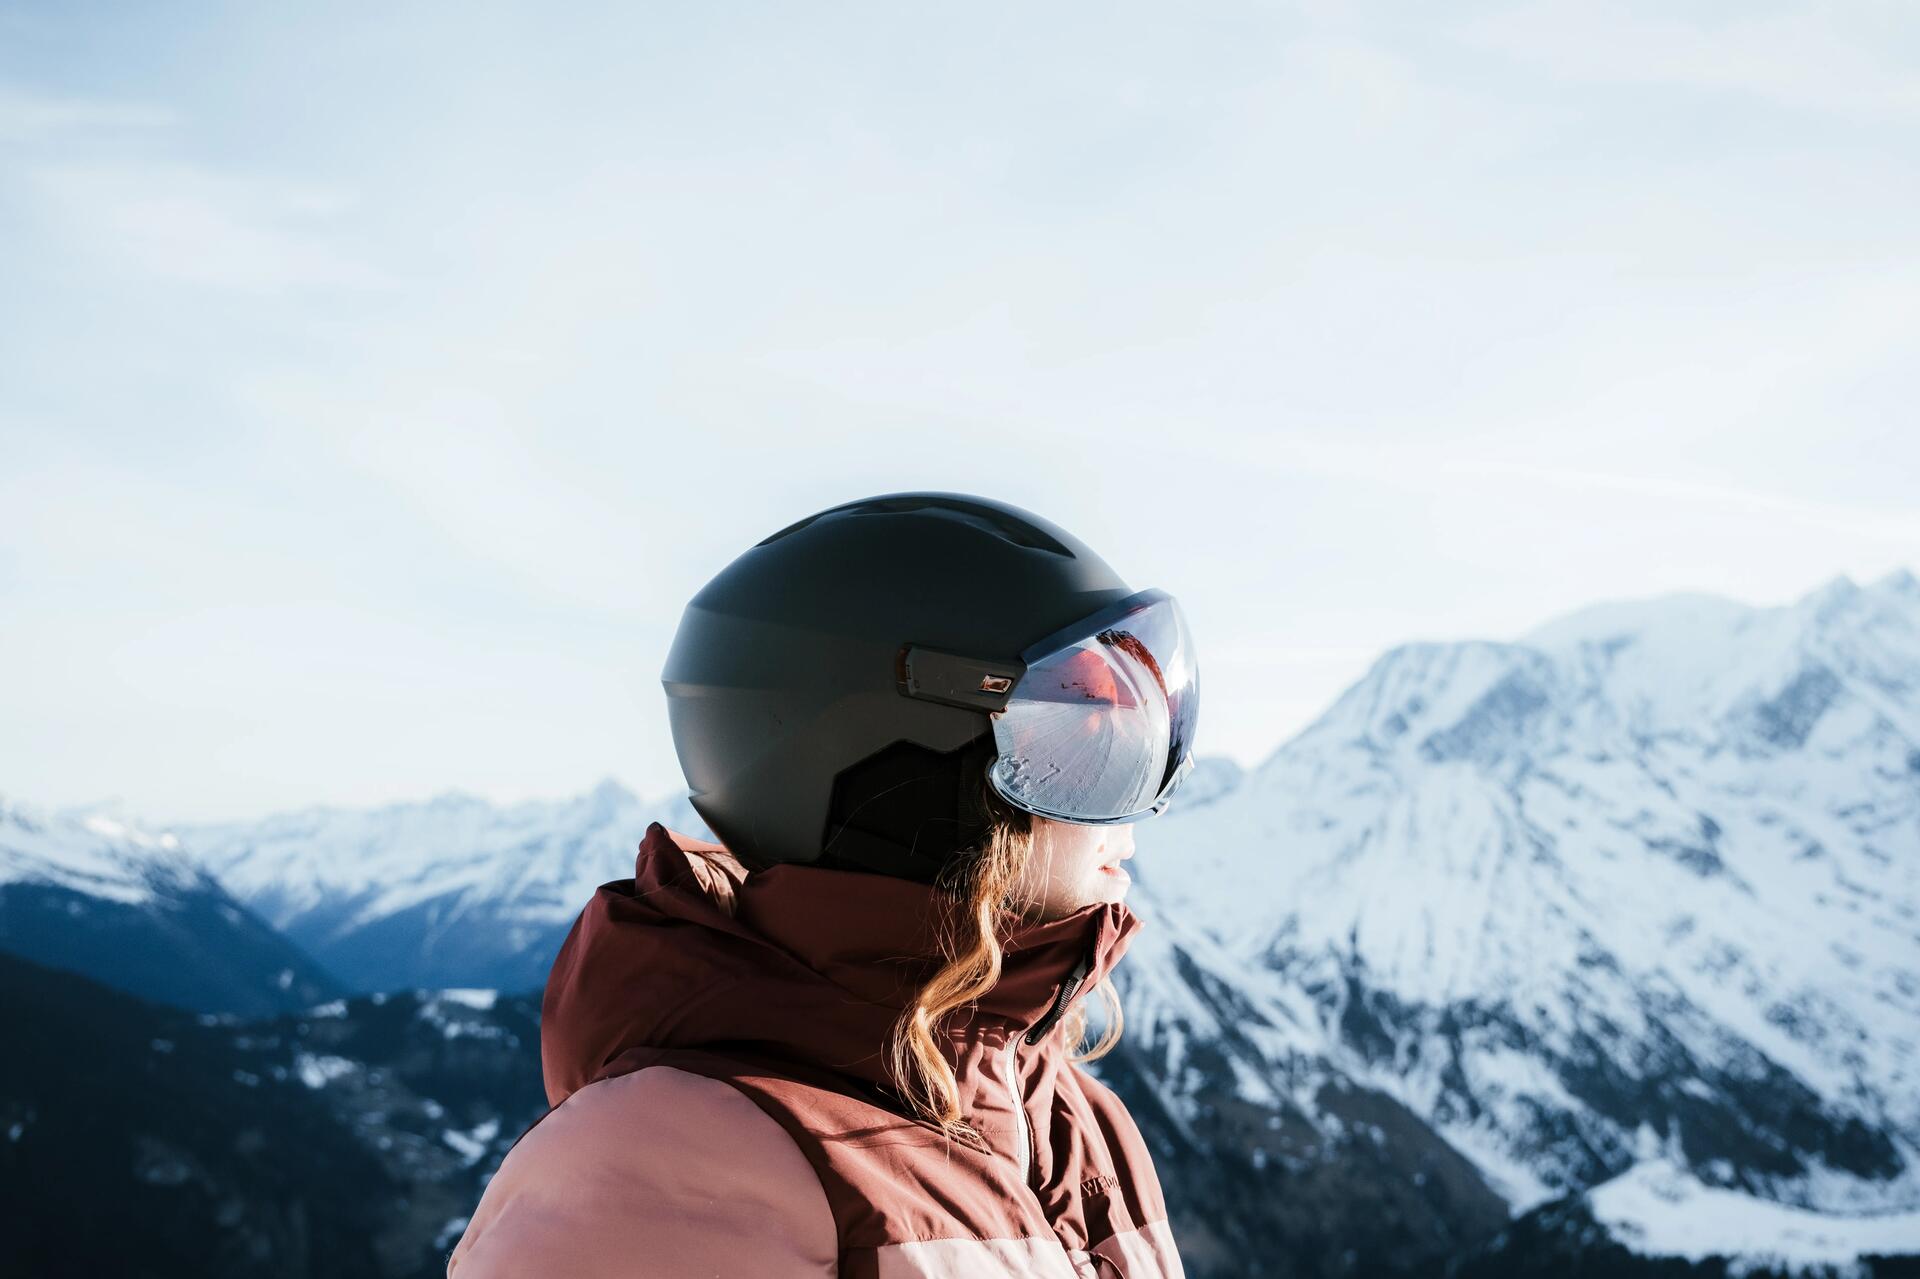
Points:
point(1067, 989)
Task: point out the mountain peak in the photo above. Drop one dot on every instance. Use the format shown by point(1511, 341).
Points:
point(1900, 581)
point(609, 790)
point(608, 800)
point(1830, 597)
point(1700, 613)
point(87, 849)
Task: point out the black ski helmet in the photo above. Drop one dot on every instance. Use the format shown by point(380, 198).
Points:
point(785, 678)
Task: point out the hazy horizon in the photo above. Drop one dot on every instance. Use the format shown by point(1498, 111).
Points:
point(118, 806)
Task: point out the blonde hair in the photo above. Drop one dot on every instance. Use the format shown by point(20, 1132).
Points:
point(977, 897)
point(978, 891)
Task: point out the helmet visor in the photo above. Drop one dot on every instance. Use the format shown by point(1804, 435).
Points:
point(1100, 728)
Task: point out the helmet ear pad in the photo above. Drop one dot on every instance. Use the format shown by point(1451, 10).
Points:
point(907, 810)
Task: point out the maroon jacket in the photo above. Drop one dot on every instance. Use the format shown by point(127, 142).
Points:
point(721, 1104)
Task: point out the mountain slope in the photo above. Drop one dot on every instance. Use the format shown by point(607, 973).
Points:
point(1641, 888)
point(451, 892)
point(139, 1142)
point(352, 1138)
point(91, 894)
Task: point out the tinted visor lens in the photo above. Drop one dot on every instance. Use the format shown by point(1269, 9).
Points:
point(1100, 728)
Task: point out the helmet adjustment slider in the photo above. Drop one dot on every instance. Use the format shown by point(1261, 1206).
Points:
point(954, 680)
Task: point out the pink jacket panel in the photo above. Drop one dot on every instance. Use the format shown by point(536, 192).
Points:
point(656, 1174)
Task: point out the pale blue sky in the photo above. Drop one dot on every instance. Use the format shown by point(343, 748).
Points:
point(375, 387)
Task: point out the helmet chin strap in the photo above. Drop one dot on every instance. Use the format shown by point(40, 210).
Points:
point(909, 810)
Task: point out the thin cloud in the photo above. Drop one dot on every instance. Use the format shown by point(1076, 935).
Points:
point(195, 226)
point(1898, 527)
point(1795, 58)
point(27, 116)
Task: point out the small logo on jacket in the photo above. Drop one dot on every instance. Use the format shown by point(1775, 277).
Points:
point(1094, 1187)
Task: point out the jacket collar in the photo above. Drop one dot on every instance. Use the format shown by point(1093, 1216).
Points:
point(816, 964)
point(876, 937)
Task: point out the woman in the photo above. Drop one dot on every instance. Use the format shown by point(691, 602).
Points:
point(842, 1041)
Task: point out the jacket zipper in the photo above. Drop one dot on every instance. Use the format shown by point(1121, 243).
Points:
point(1039, 1028)
point(1025, 1137)
point(1067, 987)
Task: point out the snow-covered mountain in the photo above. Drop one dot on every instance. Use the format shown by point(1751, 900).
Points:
point(89, 892)
point(454, 891)
point(1633, 900)
point(1608, 932)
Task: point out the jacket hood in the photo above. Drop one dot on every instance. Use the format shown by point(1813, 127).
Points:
point(813, 965)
